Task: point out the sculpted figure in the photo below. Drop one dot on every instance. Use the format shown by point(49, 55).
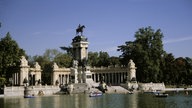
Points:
point(24, 62)
point(131, 64)
point(75, 63)
point(55, 66)
point(37, 66)
point(80, 29)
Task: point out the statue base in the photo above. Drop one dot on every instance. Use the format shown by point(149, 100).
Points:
point(132, 85)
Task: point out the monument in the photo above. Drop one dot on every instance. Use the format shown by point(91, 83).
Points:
point(131, 78)
point(80, 72)
point(24, 70)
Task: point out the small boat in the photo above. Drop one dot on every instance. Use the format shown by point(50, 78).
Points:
point(95, 94)
point(29, 96)
point(161, 94)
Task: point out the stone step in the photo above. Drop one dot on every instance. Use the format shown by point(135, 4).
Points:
point(116, 89)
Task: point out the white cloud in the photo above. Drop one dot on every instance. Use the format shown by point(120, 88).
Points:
point(177, 40)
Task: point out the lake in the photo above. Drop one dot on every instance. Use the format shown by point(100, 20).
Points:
point(137, 100)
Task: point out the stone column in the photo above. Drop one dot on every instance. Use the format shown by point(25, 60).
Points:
point(38, 71)
point(24, 70)
point(131, 70)
point(55, 73)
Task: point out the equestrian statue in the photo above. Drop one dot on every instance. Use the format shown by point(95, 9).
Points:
point(80, 29)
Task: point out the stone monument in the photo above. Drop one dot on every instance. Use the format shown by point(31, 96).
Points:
point(131, 79)
point(24, 70)
point(80, 72)
point(131, 71)
point(74, 72)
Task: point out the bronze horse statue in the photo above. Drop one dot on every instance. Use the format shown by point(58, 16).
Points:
point(80, 29)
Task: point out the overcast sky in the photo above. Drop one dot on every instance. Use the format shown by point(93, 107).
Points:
point(38, 25)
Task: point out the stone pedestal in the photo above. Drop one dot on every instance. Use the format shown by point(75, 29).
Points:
point(131, 79)
point(132, 85)
point(74, 75)
point(87, 76)
point(24, 70)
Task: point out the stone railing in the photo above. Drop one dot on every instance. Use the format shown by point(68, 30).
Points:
point(14, 91)
point(151, 86)
point(108, 69)
point(19, 91)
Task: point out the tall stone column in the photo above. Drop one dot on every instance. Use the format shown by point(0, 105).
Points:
point(55, 74)
point(131, 71)
point(37, 72)
point(131, 80)
point(74, 72)
point(24, 70)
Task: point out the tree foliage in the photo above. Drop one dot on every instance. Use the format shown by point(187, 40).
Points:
point(153, 63)
point(93, 58)
point(146, 52)
point(10, 54)
point(47, 59)
point(98, 59)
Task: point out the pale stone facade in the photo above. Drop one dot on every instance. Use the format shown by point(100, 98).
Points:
point(35, 74)
point(60, 75)
point(24, 70)
point(131, 71)
point(80, 73)
point(80, 46)
point(32, 75)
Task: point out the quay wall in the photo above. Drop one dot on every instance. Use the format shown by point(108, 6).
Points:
point(14, 91)
point(178, 89)
point(151, 86)
point(35, 90)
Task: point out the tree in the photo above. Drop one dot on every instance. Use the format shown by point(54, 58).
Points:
point(63, 60)
point(103, 59)
point(189, 70)
point(46, 66)
point(10, 55)
point(50, 54)
point(47, 59)
point(168, 69)
point(146, 52)
point(93, 58)
point(114, 61)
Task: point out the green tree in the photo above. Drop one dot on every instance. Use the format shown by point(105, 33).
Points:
point(103, 59)
point(50, 54)
point(168, 69)
point(114, 61)
point(47, 59)
point(63, 60)
point(46, 66)
point(146, 52)
point(10, 55)
point(93, 58)
point(189, 71)
point(181, 70)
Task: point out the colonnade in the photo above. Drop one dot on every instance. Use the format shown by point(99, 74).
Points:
point(63, 78)
point(15, 79)
point(32, 79)
point(113, 78)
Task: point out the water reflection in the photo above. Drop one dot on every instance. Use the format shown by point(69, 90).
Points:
point(136, 100)
point(132, 100)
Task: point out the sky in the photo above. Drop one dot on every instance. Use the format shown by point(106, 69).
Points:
point(37, 25)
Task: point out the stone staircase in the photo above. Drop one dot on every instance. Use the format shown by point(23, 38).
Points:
point(116, 89)
point(85, 87)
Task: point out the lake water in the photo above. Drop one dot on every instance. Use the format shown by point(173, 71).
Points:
point(138, 100)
